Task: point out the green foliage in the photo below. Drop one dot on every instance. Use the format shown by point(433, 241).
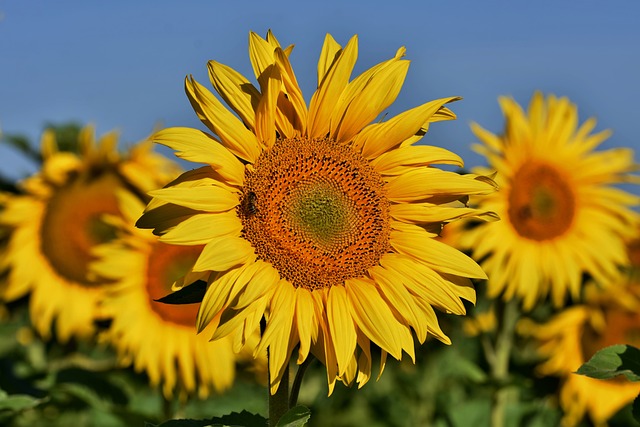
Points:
point(295, 417)
point(613, 361)
point(17, 402)
point(80, 384)
point(66, 135)
point(22, 144)
point(234, 419)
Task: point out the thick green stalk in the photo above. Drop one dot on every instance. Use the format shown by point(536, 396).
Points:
point(297, 381)
point(499, 360)
point(279, 402)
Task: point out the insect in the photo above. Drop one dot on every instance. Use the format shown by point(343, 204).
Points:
point(249, 204)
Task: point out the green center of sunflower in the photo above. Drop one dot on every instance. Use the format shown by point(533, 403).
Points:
point(320, 211)
point(73, 224)
point(316, 210)
point(166, 264)
point(541, 202)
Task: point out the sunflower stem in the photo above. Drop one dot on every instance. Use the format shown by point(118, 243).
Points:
point(297, 381)
point(279, 402)
point(499, 359)
point(167, 408)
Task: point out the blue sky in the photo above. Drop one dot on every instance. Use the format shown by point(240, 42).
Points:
point(121, 64)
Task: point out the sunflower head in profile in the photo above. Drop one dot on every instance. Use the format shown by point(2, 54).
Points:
point(143, 270)
point(572, 337)
point(56, 220)
point(315, 219)
point(561, 214)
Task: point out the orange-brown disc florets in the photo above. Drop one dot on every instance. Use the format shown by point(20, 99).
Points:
point(541, 203)
point(166, 264)
point(316, 210)
point(70, 229)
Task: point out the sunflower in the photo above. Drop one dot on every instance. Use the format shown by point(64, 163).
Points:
point(144, 270)
point(314, 219)
point(561, 214)
point(56, 220)
point(571, 337)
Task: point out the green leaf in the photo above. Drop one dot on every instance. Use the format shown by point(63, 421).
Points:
point(613, 361)
point(184, 423)
point(190, 294)
point(471, 413)
point(67, 135)
point(234, 419)
point(22, 144)
point(19, 402)
point(295, 417)
point(635, 409)
point(244, 418)
point(90, 386)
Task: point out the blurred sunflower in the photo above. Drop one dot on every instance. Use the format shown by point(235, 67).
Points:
point(144, 270)
point(56, 221)
point(313, 218)
point(561, 215)
point(570, 338)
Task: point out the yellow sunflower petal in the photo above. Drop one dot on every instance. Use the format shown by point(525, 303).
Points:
point(373, 316)
point(263, 281)
point(201, 228)
point(420, 213)
point(204, 198)
point(330, 88)
point(232, 132)
point(366, 97)
point(437, 255)
point(270, 84)
point(305, 321)
point(330, 51)
point(293, 92)
point(235, 90)
point(400, 298)
point(197, 146)
point(341, 326)
point(428, 284)
point(260, 54)
point(276, 334)
point(223, 253)
point(218, 293)
point(419, 184)
point(395, 162)
point(379, 138)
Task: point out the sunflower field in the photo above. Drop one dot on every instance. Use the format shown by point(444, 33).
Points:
point(318, 259)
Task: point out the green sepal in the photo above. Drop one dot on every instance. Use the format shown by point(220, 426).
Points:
point(190, 294)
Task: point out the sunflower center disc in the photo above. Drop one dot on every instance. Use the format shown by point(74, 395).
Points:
point(541, 203)
point(316, 210)
point(73, 224)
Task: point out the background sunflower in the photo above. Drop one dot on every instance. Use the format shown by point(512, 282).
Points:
point(56, 220)
point(157, 338)
point(562, 213)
